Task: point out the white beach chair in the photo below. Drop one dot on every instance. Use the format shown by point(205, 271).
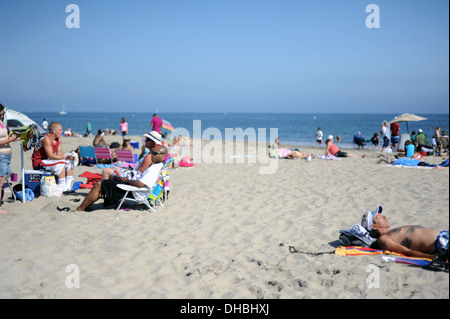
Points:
point(129, 188)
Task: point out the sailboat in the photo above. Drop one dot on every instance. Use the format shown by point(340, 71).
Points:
point(63, 110)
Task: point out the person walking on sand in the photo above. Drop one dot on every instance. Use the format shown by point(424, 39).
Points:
point(5, 152)
point(123, 127)
point(386, 133)
point(335, 151)
point(319, 136)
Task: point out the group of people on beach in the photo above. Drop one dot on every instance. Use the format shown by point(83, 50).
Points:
point(415, 241)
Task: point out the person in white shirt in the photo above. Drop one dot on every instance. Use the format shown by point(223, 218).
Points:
point(319, 137)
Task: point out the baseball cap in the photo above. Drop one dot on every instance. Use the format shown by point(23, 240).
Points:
point(367, 218)
point(154, 136)
point(420, 130)
point(330, 137)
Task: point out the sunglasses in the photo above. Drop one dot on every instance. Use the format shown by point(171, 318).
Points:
point(156, 153)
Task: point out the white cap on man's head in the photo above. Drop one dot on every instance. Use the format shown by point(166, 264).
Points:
point(330, 137)
point(420, 130)
point(154, 136)
point(367, 218)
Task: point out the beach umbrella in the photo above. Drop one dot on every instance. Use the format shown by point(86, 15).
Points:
point(406, 117)
point(166, 124)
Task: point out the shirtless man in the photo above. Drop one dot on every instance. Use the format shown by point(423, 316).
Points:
point(413, 241)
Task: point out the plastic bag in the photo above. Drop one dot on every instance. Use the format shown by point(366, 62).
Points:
point(49, 187)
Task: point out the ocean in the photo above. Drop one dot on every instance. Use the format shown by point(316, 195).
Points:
point(294, 129)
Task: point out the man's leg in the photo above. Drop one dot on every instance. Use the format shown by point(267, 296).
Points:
point(92, 196)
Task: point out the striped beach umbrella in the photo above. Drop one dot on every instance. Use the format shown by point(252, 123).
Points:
point(166, 124)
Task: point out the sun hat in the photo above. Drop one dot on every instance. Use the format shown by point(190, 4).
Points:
point(154, 136)
point(367, 218)
point(330, 137)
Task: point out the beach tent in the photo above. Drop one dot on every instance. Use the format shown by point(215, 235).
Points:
point(15, 120)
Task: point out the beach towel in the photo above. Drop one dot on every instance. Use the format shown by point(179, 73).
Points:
point(394, 257)
point(282, 152)
point(329, 157)
point(411, 162)
point(92, 178)
point(29, 136)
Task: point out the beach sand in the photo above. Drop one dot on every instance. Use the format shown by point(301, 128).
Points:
point(225, 232)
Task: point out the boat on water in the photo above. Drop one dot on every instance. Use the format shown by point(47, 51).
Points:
point(63, 110)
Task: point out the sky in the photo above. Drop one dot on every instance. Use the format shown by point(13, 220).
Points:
point(268, 56)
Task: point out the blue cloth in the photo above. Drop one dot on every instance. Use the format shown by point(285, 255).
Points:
point(406, 161)
point(29, 195)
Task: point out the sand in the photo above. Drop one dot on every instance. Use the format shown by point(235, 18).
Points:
point(225, 232)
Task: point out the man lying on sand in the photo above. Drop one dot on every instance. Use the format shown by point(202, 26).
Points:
point(112, 194)
point(413, 241)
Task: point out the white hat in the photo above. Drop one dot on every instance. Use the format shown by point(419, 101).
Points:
point(420, 130)
point(367, 218)
point(330, 137)
point(154, 136)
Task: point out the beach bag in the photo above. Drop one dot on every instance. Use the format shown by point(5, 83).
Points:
point(49, 187)
point(348, 238)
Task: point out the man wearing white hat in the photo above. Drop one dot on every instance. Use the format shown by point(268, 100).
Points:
point(152, 139)
point(413, 241)
point(422, 142)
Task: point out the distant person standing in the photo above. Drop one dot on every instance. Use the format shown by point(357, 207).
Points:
point(386, 132)
point(44, 125)
point(319, 137)
point(88, 129)
point(156, 123)
point(395, 132)
point(123, 127)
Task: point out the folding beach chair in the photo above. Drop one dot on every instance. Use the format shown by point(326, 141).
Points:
point(126, 158)
point(129, 188)
point(87, 155)
point(102, 153)
point(154, 193)
point(8, 184)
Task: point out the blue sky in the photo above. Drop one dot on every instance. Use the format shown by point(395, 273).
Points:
point(290, 56)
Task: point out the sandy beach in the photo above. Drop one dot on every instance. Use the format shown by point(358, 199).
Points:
point(225, 232)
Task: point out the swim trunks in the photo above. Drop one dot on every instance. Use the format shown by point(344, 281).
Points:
point(441, 241)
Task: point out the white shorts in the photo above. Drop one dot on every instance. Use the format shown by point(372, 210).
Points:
point(54, 166)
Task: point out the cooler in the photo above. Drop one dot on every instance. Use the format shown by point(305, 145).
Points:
point(33, 180)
